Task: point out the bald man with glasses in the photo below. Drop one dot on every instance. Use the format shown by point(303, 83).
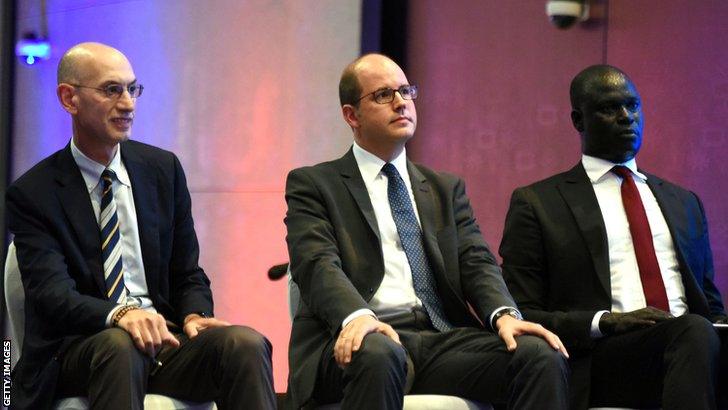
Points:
point(116, 303)
point(389, 260)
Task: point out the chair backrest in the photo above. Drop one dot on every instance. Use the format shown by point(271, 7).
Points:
point(294, 295)
point(15, 303)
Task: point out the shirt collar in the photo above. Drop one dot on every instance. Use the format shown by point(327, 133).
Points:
point(597, 168)
point(91, 170)
point(371, 165)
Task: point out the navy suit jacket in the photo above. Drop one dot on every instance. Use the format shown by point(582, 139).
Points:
point(59, 254)
point(556, 258)
point(337, 262)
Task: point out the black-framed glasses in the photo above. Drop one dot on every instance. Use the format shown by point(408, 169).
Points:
point(386, 95)
point(116, 90)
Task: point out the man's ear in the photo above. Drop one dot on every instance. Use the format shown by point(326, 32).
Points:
point(578, 120)
point(67, 97)
point(351, 115)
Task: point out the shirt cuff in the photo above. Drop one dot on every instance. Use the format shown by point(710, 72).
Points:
point(111, 314)
point(492, 315)
point(356, 314)
point(596, 333)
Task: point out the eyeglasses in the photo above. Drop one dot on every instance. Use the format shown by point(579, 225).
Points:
point(386, 95)
point(116, 90)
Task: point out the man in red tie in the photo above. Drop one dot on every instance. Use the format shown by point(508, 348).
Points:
point(617, 262)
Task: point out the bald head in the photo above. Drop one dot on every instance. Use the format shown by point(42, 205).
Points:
point(587, 82)
point(349, 86)
point(84, 60)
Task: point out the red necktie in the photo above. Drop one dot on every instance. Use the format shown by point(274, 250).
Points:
point(644, 249)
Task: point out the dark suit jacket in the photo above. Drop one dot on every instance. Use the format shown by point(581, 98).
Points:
point(336, 257)
point(556, 258)
point(58, 244)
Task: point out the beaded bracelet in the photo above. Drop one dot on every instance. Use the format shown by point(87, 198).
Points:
point(120, 313)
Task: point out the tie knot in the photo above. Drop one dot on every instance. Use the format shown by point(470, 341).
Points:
point(622, 171)
point(108, 173)
point(389, 170)
point(108, 176)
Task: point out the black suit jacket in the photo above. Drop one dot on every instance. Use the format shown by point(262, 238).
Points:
point(59, 255)
point(556, 258)
point(336, 257)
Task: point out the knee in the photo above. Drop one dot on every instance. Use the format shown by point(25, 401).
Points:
point(535, 353)
point(695, 333)
point(379, 353)
point(243, 341)
point(116, 345)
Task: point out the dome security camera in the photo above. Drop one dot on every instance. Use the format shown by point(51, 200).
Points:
point(565, 13)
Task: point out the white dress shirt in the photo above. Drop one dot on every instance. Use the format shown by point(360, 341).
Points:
point(135, 282)
point(396, 293)
point(626, 285)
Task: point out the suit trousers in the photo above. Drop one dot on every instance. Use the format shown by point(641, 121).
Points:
point(672, 365)
point(228, 365)
point(467, 362)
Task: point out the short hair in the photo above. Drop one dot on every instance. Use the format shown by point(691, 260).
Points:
point(349, 87)
point(582, 84)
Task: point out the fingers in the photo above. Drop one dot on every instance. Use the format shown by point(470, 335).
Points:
point(510, 330)
point(190, 330)
point(168, 338)
point(356, 341)
point(148, 344)
point(352, 336)
point(388, 330)
point(509, 339)
point(553, 341)
point(651, 313)
point(147, 330)
point(342, 350)
point(199, 324)
point(136, 337)
point(640, 323)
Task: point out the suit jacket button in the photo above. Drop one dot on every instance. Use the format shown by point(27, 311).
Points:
point(371, 290)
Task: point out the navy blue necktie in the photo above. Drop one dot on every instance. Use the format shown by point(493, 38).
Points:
point(410, 235)
point(111, 241)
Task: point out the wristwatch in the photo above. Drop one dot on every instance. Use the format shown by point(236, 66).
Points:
point(514, 313)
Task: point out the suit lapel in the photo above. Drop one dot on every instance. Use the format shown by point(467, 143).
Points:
point(578, 193)
point(424, 198)
point(74, 198)
point(354, 182)
point(697, 303)
point(143, 185)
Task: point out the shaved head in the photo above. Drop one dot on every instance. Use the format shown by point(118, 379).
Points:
point(583, 85)
point(78, 63)
point(101, 119)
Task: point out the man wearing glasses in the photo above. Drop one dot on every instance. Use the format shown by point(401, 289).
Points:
point(116, 304)
point(389, 261)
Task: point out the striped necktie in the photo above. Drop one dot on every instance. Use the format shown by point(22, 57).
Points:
point(111, 241)
point(410, 235)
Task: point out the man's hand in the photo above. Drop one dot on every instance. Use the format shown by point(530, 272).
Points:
point(195, 324)
point(351, 337)
point(510, 327)
point(618, 323)
point(148, 331)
